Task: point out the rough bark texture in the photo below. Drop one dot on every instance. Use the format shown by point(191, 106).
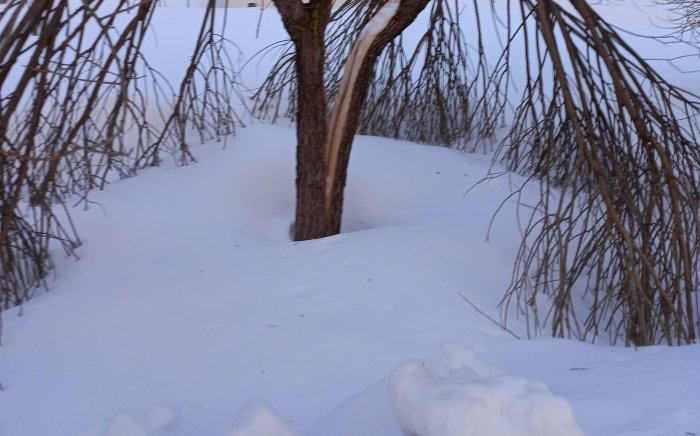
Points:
point(306, 24)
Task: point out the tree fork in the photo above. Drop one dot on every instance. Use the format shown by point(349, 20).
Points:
point(323, 153)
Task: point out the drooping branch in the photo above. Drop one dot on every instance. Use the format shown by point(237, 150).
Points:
point(441, 79)
point(440, 91)
point(76, 109)
point(686, 19)
point(615, 149)
point(50, 126)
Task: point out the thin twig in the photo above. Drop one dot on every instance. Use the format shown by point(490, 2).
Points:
point(485, 315)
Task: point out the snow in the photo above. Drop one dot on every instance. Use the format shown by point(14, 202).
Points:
point(159, 419)
point(258, 418)
point(431, 399)
point(191, 312)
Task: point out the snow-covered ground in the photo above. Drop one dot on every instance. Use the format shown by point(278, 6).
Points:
point(192, 313)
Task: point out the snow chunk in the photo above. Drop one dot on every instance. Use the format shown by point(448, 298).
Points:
point(258, 418)
point(431, 399)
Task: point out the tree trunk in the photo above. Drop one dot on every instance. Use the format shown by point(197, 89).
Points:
point(306, 24)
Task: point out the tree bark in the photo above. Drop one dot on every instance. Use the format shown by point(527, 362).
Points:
point(306, 24)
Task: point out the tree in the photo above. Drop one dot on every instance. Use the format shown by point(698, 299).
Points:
point(323, 149)
point(687, 20)
point(613, 146)
point(73, 81)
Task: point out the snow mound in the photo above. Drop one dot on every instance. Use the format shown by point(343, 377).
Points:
point(431, 398)
point(257, 418)
point(365, 413)
point(160, 419)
